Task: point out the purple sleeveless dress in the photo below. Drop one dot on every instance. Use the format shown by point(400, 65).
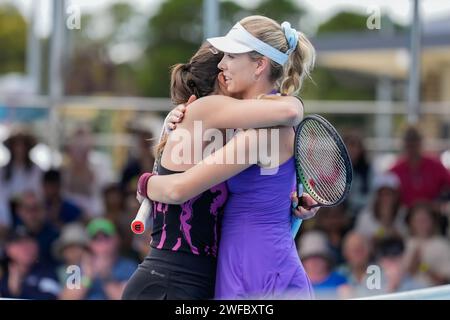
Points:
point(257, 254)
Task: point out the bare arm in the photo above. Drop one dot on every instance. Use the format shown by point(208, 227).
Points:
point(226, 112)
point(180, 187)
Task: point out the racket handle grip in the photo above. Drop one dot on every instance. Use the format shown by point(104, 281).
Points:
point(138, 224)
point(295, 225)
point(299, 194)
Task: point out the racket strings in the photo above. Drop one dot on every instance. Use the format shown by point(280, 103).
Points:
point(328, 162)
point(322, 162)
point(328, 182)
point(324, 188)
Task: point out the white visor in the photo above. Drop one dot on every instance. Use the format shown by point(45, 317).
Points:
point(239, 40)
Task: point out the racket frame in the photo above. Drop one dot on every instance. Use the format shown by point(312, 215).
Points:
point(301, 181)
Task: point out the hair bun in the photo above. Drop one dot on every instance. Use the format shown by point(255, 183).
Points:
point(187, 67)
point(191, 83)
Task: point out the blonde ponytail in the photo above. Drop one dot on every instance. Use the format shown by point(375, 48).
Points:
point(300, 64)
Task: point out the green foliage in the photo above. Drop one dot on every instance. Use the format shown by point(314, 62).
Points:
point(350, 21)
point(12, 40)
point(344, 21)
point(280, 10)
point(174, 34)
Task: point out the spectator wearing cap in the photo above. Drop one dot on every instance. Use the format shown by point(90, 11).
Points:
point(60, 210)
point(318, 261)
point(24, 277)
point(32, 215)
point(20, 173)
point(427, 252)
point(383, 216)
point(71, 248)
point(109, 271)
point(390, 257)
point(422, 177)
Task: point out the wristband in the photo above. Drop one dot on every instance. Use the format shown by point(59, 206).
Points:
point(142, 183)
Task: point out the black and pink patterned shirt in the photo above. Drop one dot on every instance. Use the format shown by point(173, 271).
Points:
point(192, 227)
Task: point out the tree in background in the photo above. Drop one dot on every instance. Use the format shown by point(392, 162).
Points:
point(347, 21)
point(13, 36)
point(280, 10)
point(173, 35)
point(98, 63)
point(343, 22)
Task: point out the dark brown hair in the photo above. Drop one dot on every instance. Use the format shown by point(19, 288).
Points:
point(198, 77)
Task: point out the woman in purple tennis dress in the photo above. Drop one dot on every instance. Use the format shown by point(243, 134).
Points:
point(257, 256)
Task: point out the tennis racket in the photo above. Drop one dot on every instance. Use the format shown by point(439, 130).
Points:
point(322, 163)
point(145, 210)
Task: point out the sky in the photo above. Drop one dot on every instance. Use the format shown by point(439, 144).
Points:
point(321, 10)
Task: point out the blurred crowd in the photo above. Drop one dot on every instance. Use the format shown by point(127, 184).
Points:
point(65, 233)
point(391, 235)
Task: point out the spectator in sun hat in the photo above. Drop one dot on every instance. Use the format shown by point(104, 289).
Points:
point(319, 262)
point(20, 173)
point(70, 248)
point(73, 234)
point(24, 276)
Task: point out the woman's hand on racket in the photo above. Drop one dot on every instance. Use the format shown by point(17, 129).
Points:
point(304, 211)
point(176, 115)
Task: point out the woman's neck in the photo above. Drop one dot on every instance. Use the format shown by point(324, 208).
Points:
point(258, 89)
